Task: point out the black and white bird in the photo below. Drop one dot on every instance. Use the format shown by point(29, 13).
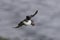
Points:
point(27, 20)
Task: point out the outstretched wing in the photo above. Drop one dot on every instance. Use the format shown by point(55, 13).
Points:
point(19, 25)
point(34, 14)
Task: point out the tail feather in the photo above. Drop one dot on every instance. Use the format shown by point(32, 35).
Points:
point(17, 27)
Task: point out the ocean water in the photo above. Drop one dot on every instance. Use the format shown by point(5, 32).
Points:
point(47, 21)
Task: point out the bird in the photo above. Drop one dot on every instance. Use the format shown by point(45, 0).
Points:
point(27, 21)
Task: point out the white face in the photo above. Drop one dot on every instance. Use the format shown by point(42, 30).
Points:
point(27, 23)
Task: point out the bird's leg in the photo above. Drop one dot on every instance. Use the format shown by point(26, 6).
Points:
point(32, 23)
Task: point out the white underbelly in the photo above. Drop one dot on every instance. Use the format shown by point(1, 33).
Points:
point(27, 23)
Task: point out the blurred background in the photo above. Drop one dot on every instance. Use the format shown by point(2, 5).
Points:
point(47, 21)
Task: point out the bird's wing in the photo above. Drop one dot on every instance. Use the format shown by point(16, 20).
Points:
point(34, 14)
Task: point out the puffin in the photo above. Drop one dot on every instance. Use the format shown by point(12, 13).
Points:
point(27, 21)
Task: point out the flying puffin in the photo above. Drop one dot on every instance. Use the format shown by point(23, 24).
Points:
point(27, 20)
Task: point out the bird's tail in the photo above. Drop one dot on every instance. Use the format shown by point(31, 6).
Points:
point(34, 13)
point(17, 27)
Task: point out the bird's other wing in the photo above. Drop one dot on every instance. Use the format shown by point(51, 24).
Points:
point(20, 25)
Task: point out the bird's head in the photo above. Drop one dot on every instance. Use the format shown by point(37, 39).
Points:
point(28, 17)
